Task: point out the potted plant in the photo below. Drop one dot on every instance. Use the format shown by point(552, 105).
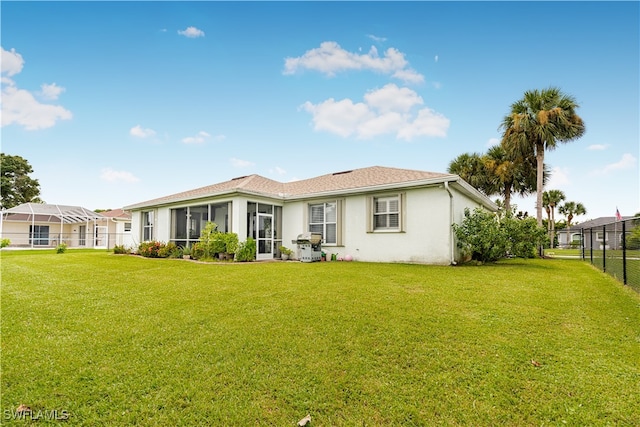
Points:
point(186, 252)
point(285, 253)
point(231, 244)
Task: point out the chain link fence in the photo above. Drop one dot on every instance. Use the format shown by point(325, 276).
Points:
point(615, 249)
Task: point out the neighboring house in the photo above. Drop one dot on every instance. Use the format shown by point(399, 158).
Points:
point(606, 233)
point(119, 226)
point(372, 214)
point(37, 225)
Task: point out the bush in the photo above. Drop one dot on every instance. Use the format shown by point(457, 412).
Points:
point(246, 250)
point(197, 252)
point(4, 243)
point(150, 249)
point(523, 236)
point(484, 236)
point(169, 250)
point(230, 242)
point(61, 248)
point(121, 250)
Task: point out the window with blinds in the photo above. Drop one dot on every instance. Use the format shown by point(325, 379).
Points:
point(323, 219)
point(386, 213)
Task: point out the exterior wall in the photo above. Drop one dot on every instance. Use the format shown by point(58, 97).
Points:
point(426, 237)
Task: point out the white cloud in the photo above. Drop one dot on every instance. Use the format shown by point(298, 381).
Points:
point(241, 163)
point(597, 147)
point(201, 137)
point(330, 59)
point(393, 98)
point(191, 32)
point(19, 106)
point(51, 91)
point(559, 178)
point(627, 161)
point(111, 175)
point(11, 62)
point(389, 110)
point(139, 132)
point(376, 38)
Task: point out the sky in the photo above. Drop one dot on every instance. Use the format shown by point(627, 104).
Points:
point(115, 103)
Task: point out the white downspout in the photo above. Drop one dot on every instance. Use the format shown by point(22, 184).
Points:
point(451, 248)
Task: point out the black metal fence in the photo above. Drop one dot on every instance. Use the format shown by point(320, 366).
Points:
point(615, 249)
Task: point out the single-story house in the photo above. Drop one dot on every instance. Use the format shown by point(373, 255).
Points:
point(373, 214)
point(119, 227)
point(39, 225)
point(606, 233)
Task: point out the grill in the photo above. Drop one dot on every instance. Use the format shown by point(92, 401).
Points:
point(309, 246)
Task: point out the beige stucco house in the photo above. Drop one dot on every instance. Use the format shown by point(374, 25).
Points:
point(378, 214)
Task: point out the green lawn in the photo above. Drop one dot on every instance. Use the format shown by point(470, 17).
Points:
point(122, 340)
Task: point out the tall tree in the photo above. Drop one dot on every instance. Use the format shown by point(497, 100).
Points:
point(538, 122)
point(510, 174)
point(570, 210)
point(16, 187)
point(551, 199)
point(471, 168)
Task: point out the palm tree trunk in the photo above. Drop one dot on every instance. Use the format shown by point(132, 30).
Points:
point(539, 181)
point(553, 225)
point(507, 199)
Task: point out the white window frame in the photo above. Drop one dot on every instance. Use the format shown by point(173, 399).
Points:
point(148, 225)
point(400, 210)
point(325, 222)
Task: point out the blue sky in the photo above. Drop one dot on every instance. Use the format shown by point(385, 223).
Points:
point(114, 103)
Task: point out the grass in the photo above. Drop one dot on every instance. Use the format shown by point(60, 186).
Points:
point(122, 340)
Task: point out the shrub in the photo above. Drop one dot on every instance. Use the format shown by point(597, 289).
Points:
point(486, 237)
point(4, 243)
point(197, 252)
point(246, 250)
point(169, 250)
point(523, 236)
point(61, 248)
point(230, 242)
point(121, 250)
point(286, 251)
point(150, 249)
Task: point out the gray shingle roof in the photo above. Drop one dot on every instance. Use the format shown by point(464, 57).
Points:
point(363, 178)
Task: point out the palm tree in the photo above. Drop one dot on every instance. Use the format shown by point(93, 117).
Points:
point(471, 168)
point(538, 122)
point(571, 209)
point(510, 174)
point(550, 200)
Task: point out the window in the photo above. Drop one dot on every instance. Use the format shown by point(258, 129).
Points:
point(386, 213)
point(39, 235)
point(323, 219)
point(187, 223)
point(127, 227)
point(575, 238)
point(147, 226)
